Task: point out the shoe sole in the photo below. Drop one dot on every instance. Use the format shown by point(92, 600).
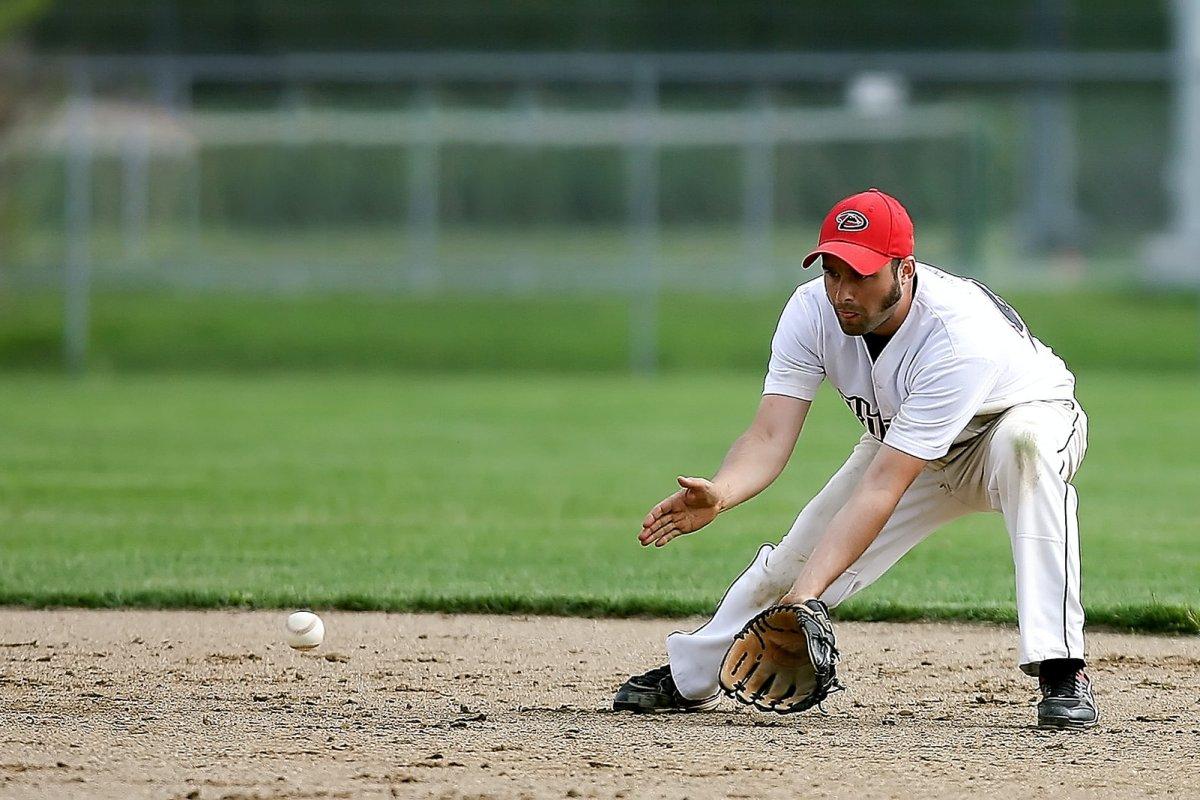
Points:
point(649, 708)
point(1059, 725)
point(1050, 724)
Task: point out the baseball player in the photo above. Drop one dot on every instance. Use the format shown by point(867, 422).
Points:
point(964, 410)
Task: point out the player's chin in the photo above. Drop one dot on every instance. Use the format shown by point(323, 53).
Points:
point(853, 327)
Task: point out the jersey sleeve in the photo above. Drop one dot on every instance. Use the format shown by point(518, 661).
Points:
point(945, 395)
point(796, 368)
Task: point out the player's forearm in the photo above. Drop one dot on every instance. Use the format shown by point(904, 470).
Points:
point(849, 534)
point(752, 464)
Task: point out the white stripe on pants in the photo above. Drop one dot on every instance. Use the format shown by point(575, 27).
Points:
point(1020, 465)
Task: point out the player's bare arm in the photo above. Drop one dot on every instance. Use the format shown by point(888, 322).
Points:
point(753, 462)
point(858, 523)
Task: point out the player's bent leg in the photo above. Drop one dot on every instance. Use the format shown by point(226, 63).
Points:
point(696, 657)
point(1033, 452)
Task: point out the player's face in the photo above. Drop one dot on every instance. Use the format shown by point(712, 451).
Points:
point(862, 302)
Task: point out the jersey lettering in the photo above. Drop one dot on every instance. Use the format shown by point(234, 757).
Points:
point(867, 415)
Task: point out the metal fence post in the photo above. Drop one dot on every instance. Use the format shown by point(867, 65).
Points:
point(1170, 254)
point(1187, 119)
point(423, 197)
point(1052, 214)
point(78, 222)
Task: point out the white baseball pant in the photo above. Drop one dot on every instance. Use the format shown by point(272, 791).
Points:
point(1020, 465)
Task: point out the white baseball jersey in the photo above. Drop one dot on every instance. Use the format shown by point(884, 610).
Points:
point(961, 353)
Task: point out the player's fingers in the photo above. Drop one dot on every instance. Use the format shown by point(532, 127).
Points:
point(666, 519)
point(652, 530)
point(652, 537)
point(651, 521)
point(647, 534)
point(662, 535)
point(672, 503)
point(667, 534)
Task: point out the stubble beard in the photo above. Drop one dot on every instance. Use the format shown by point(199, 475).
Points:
point(867, 325)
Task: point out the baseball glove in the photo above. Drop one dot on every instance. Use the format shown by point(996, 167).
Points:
point(784, 660)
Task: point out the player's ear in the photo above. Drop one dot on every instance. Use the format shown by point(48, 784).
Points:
point(908, 268)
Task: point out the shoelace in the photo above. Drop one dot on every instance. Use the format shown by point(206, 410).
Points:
point(1069, 685)
point(656, 674)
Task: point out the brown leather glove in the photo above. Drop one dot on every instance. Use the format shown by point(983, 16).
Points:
point(784, 659)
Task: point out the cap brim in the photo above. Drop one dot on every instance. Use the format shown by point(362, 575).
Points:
point(862, 260)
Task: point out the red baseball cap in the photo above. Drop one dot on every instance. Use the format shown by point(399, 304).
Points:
point(866, 230)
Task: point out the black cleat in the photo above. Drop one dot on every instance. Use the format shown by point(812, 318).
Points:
point(655, 691)
point(1067, 702)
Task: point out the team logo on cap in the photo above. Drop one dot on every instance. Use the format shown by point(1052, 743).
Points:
point(852, 221)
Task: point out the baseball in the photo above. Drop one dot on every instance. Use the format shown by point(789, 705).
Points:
point(304, 630)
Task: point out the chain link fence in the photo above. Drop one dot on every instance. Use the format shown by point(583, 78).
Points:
point(461, 175)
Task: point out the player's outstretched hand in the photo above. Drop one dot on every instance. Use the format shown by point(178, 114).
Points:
point(689, 509)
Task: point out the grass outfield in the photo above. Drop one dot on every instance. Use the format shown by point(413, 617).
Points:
point(1125, 330)
point(514, 494)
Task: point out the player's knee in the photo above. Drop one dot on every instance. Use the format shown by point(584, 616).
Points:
point(786, 561)
point(1022, 452)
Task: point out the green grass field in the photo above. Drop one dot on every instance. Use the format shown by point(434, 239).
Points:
point(384, 333)
point(517, 492)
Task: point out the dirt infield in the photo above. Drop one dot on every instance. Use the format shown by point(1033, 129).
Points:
point(110, 704)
